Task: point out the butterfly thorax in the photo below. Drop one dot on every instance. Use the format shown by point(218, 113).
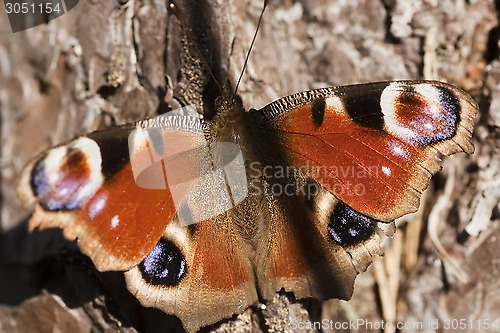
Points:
point(228, 124)
point(233, 124)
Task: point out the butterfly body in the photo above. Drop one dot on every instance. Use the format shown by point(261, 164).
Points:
point(205, 217)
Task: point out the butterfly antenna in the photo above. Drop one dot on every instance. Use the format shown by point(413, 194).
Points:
point(251, 46)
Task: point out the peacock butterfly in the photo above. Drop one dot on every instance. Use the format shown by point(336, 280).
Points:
point(208, 216)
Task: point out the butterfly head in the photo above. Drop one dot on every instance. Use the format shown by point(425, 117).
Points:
point(228, 100)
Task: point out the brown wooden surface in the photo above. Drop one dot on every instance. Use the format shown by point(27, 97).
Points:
point(75, 75)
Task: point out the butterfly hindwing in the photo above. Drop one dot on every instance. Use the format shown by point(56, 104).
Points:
point(201, 273)
point(314, 245)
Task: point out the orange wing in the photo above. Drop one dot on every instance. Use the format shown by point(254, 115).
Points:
point(117, 209)
point(374, 146)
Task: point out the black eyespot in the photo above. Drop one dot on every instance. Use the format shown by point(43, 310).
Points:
point(347, 227)
point(165, 265)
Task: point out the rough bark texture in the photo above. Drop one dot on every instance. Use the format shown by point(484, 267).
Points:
point(111, 62)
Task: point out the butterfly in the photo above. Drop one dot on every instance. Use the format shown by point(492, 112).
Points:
point(208, 216)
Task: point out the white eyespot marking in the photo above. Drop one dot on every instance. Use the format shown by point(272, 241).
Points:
point(386, 170)
point(335, 103)
point(97, 205)
point(91, 150)
point(398, 149)
point(178, 235)
point(115, 221)
point(52, 164)
point(430, 92)
point(139, 139)
point(325, 200)
point(388, 101)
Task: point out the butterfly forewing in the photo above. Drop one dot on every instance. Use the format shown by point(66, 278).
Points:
point(374, 146)
point(111, 189)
